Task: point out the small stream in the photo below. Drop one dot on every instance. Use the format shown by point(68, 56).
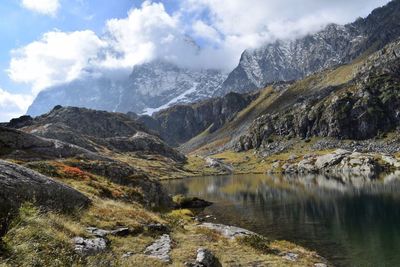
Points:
point(349, 221)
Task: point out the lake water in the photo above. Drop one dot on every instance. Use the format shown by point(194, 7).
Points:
point(348, 220)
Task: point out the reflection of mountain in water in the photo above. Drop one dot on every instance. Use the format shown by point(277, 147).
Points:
point(350, 220)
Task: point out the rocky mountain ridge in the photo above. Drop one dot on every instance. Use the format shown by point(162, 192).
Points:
point(158, 85)
point(96, 131)
point(363, 108)
point(149, 88)
point(296, 59)
point(180, 123)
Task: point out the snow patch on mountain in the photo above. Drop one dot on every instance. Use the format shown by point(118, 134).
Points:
point(182, 98)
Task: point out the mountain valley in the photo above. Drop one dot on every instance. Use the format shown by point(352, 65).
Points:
point(301, 135)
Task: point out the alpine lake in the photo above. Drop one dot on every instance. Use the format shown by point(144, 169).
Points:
point(349, 220)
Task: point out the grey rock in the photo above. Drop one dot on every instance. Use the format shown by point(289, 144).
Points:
point(160, 249)
point(15, 144)
point(19, 184)
point(228, 231)
point(124, 231)
point(128, 254)
point(392, 161)
point(320, 265)
point(219, 164)
point(88, 247)
point(290, 256)
point(330, 160)
point(98, 232)
point(206, 258)
point(340, 161)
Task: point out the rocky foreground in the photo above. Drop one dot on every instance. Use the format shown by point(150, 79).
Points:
point(81, 187)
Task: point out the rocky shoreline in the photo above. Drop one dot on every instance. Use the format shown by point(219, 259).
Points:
point(340, 162)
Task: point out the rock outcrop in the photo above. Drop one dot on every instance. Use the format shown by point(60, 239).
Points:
point(97, 131)
point(160, 249)
point(227, 231)
point(87, 247)
point(341, 161)
point(363, 108)
point(205, 258)
point(19, 145)
point(19, 184)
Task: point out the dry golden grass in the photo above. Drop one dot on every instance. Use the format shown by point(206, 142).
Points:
point(231, 252)
point(37, 239)
point(110, 214)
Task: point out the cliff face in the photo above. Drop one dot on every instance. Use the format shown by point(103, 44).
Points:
point(335, 45)
point(180, 123)
point(362, 108)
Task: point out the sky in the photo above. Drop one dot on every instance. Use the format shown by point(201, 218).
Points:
point(50, 42)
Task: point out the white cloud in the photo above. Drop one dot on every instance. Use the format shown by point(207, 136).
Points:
point(58, 57)
point(45, 7)
point(148, 32)
point(205, 31)
point(13, 105)
point(251, 23)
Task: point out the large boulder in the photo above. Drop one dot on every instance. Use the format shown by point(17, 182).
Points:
point(19, 184)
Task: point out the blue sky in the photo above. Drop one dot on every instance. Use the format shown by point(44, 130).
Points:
point(48, 42)
point(20, 26)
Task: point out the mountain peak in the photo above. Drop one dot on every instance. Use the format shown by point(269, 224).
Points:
point(332, 46)
point(149, 87)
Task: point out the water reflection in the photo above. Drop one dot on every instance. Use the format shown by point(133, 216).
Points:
point(350, 220)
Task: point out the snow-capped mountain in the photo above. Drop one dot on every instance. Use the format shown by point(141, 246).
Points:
point(295, 59)
point(149, 88)
point(158, 85)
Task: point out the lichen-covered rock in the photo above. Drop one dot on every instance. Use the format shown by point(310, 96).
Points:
point(228, 231)
point(160, 249)
point(206, 258)
point(86, 247)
